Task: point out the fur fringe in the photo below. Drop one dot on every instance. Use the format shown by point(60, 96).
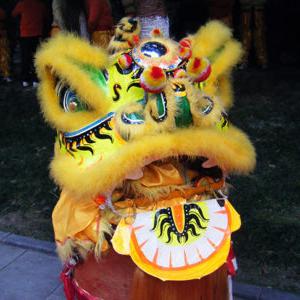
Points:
point(70, 53)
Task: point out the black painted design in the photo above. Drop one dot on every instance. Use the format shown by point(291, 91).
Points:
point(225, 121)
point(193, 226)
point(117, 94)
point(133, 84)
point(85, 140)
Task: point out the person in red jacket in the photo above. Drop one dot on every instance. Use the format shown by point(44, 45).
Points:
point(33, 16)
point(100, 21)
point(4, 49)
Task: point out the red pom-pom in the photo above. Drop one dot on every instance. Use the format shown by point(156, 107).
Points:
point(157, 72)
point(204, 75)
point(100, 200)
point(197, 63)
point(179, 73)
point(125, 61)
point(185, 43)
point(198, 69)
point(153, 79)
point(185, 52)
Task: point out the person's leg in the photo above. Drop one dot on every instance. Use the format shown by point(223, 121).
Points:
point(260, 35)
point(5, 59)
point(34, 42)
point(25, 60)
point(246, 30)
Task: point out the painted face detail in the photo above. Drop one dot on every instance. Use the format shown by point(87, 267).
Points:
point(179, 224)
point(83, 139)
point(121, 83)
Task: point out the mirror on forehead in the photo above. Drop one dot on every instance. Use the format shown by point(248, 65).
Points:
point(153, 49)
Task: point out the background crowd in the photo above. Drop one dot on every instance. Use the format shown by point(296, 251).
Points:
point(24, 23)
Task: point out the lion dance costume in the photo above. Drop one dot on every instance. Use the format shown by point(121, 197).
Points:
point(144, 147)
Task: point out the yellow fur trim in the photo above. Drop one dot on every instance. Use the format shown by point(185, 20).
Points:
point(65, 251)
point(150, 126)
point(230, 149)
point(123, 40)
point(214, 40)
point(209, 38)
point(169, 123)
point(221, 68)
point(197, 101)
point(104, 228)
point(115, 47)
point(225, 90)
point(228, 58)
point(62, 57)
point(205, 120)
point(124, 26)
point(73, 247)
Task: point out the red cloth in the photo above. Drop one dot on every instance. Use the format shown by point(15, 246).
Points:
point(33, 15)
point(232, 266)
point(99, 15)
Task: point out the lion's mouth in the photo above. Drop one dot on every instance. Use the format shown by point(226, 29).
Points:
point(164, 181)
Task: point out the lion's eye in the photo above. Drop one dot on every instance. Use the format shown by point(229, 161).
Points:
point(73, 104)
point(68, 99)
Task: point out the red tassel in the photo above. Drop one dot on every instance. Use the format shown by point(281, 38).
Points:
point(68, 285)
point(231, 262)
point(66, 276)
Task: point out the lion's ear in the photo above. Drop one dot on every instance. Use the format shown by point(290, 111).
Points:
point(214, 41)
point(73, 88)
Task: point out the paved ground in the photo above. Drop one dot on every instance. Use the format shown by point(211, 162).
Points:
point(29, 270)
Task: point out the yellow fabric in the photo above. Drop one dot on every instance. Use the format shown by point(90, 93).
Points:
point(161, 175)
point(67, 66)
point(235, 221)
point(75, 218)
point(102, 38)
